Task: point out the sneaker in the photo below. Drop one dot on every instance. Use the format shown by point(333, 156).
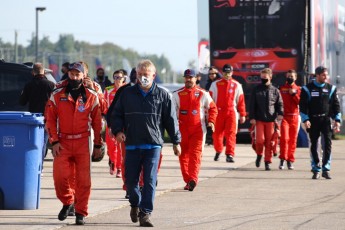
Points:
point(289, 165)
point(71, 211)
point(144, 219)
point(216, 157)
point(316, 175)
point(118, 173)
point(111, 167)
point(79, 219)
point(191, 185)
point(258, 160)
point(134, 214)
point(326, 175)
point(64, 212)
point(281, 165)
point(267, 166)
point(186, 187)
point(230, 158)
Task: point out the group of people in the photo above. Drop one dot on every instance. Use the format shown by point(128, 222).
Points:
point(138, 113)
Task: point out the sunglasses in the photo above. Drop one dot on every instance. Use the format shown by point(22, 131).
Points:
point(118, 78)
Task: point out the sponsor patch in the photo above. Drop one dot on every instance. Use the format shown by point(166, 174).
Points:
point(195, 112)
point(183, 93)
point(81, 108)
point(197, 94)
point(325, 90)
point(315, 94)
point(63, 99)
point(183, 112)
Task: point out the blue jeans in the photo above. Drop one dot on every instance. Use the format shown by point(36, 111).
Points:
point(135, 160)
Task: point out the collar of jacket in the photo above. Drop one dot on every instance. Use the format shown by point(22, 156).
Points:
point(152, 91)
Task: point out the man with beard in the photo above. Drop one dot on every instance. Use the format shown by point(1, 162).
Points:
point(319, 104)
point(192, 104)
point(71, 112)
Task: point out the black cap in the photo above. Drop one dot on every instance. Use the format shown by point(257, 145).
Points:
point(227, 68)
point(320, 69)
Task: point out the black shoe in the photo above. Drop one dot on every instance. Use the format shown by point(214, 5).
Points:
point(79, 219)
point(127, 195)
point(144, 219)
point(326, 175)
point(71, 211)
point(230, 158)
point(134, 214)
point(216, 157)
point(267, 166)
point(64, 212)
point(289, 165)
point(316, 175)
point(275, 154)
point(191, 185)
point(281, 165)
point(258, 160)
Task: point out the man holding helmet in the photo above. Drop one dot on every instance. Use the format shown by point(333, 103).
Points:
point(69, 112)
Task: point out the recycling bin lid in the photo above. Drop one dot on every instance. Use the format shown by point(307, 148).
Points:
point(21, 117)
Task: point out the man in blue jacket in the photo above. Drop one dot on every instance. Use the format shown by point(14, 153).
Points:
point(140, 117)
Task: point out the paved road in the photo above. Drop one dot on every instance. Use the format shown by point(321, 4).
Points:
point(229, 196)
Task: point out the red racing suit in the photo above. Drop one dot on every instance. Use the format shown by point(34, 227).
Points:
point(229, 98)
point(290, 123)
point(114, 148)
point(69, 123)
point(192, 106)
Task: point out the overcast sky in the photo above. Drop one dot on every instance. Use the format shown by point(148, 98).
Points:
point(166, 27)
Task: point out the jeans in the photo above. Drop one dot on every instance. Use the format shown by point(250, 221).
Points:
point(135, 160)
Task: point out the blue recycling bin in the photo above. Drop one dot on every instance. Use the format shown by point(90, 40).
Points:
point(21, 143)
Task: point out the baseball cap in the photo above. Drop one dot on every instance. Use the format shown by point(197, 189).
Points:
point(320, 69)
point(77, 66)
point(227, 68)
point(189, 72)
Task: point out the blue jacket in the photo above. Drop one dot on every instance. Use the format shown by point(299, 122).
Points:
point(143, 119)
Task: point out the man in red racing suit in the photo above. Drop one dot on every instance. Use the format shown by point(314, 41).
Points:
point(290, 124)
point(227, 93)
point(192, 104)
point(71, 110)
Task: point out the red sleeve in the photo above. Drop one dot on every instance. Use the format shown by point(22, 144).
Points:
point(51, 121)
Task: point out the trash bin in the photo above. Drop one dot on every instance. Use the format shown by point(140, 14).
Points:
point(21, 143)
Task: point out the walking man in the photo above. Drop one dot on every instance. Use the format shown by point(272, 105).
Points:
point(192, 104)
point(319, 103)
point(69, 112)
point(290, 124)
point(228, 95)
point(139, 118)
point(266, 106)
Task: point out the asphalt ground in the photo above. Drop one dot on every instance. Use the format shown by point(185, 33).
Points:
point(228, 196)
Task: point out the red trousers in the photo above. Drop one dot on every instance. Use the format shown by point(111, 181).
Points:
point(288, 139)
point(114, 150)
point(71, 173)
point(192, 143)
point(226, 126)
point(264, 133)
